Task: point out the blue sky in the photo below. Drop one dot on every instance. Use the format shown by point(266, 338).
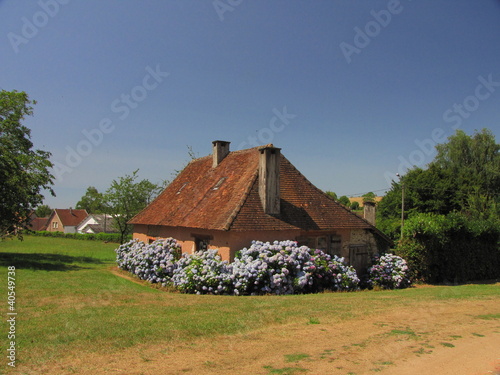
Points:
point(352, 91)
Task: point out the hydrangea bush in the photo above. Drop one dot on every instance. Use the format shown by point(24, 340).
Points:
point(388, 271)
point(203, 273)
point(155, 262)
point(285, 268)
point(264, 268)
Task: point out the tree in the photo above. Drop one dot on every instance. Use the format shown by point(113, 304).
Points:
point(192, 155)
point(43, 211)
point(355, 205)
point(463, 177)
point(331, 194)
point(92, 201)
point(126, 197)
point(345, 201)
point(24, 171)
point(474, 164)
point(369, 197)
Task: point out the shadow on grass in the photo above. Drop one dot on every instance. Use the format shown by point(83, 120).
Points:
point(47, 262)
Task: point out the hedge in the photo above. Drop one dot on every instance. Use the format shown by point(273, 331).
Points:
point(451, 248)
point(106, 237)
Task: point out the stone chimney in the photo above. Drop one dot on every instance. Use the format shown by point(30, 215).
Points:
point(269, 179)
point(369, 212)
point(220, 151)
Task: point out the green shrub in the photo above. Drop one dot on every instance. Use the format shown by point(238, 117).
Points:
point(105, 237)
point(451, 247)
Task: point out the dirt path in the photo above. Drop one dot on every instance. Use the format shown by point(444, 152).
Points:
point(446, 337)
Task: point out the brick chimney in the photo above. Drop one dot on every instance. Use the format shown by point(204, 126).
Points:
point(220, 151)
point(269, 179)
point(369, 212)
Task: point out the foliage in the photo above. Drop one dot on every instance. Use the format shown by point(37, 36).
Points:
point(126, 197)
point(24, 171)
point(369, 197)
point(264, 268)
point(345, 201)
point(106, 237)
point(332, 195)
point(474, 163)
point(463, 177)
point(202, 273)
point(43, 211)
point(454, 247)
point(355, 205)
point(192, 155)
point(99, 313)
point(285, 268)
point(389, 271)
point(154, 262)
point(92, 201)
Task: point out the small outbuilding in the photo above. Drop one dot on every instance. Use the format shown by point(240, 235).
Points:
point(227, 199)
point(97, 223)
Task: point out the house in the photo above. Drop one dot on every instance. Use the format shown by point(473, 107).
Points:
point(65, 220)
point(37, 223)
point(228, 199)
point(97, 223)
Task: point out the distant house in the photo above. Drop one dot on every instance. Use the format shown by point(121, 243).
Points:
point(97, 223)
point(38, 223)
point(65, 220)
point(228, 199)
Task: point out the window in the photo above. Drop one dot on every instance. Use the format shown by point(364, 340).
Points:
point(55, 225)
point(322, 243)
point(201, 241)
point(182, 187)
point(219, 183)
point(330, 244)
point(201, 244)
point(335, 245)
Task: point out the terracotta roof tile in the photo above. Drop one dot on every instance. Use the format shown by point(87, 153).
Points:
point(227, 198)
point(202, 196)
point(303, 206)
point(39, 223)
point(70, 217)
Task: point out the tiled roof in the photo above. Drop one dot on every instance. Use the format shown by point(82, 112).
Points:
point(227, 198)
point(70, 217)
point(202, 196)
point(303, 206)
point(105, 224)
point(39, 223)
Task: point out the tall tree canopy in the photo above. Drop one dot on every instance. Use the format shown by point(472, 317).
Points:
point(126, 197)
point(92, 201)
point(24, 171)
point(463, 177)
point(43, 211)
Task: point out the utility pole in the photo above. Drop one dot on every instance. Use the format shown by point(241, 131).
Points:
point(402, 208)
point(402, 205)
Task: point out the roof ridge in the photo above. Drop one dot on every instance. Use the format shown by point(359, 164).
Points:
point(243, 199)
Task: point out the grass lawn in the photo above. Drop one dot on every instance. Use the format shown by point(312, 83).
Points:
point(68, 300)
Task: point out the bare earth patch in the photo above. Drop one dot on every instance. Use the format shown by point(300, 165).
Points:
point(444, 337)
